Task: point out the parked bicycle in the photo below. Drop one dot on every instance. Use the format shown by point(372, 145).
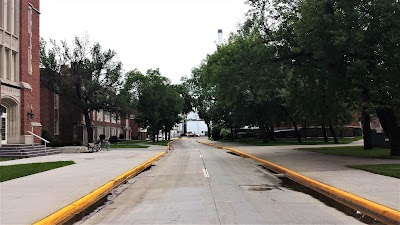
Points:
point(98, 145)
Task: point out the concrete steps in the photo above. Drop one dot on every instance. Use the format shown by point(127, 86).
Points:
point(26, 150)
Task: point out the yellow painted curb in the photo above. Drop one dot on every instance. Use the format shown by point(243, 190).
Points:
point(69, 211)
point(373, 209)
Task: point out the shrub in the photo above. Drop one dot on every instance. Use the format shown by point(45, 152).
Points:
point(114, 139)
point(102, 136)
point(121, 136)
point(215, 133)
point(47, 135)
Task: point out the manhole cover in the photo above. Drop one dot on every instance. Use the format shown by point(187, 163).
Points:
point(262, 187)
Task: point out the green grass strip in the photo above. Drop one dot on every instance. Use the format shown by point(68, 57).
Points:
point(161, 143)
point(292, 141)
point(15, 171)
point(391, 170)
point(357, 151)
point(128, 146)
point(7, 159)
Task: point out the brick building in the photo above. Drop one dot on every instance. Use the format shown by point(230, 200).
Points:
point(19, 71)
point(66, 124)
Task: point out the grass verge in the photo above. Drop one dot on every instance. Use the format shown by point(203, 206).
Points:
point(128, 146)
point(15, 171)
point(356, 151)
point(391, 170)
point(292, 141)
point(6, 159)
point(162, 143)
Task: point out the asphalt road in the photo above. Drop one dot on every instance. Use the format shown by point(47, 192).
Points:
point(197, 184)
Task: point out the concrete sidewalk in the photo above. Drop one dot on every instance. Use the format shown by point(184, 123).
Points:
point(28, 199)
point(331, 170)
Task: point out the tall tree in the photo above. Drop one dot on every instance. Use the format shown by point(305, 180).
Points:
point(84, 74)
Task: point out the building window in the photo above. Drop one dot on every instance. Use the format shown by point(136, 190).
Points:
point(56, 114)
point(2, 4)
point(14, 67)
point(10, 16)
point(99, 131)
point(2, 74)
point(16, 18)
point(113, 118)
point(100, 115)
point(30, 40)
point(107, 133)
point(106, 117)
point(7, 64)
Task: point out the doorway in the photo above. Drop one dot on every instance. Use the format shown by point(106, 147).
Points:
point(3, 125)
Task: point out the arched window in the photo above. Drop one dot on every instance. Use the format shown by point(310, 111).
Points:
point(3, 110)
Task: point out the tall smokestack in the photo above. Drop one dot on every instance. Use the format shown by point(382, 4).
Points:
point(220, 37)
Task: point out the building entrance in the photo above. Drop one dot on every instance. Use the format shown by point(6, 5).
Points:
point(3, 125)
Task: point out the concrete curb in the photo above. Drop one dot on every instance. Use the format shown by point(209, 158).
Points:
point(63, 215)
point(384, 214)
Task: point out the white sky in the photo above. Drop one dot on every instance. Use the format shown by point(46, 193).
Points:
point(173, 35)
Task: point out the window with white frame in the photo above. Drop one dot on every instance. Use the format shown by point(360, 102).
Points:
point(99, 131)
point(106, 117)
point(56, 114)
point(113, 131)
point(113, 118)
point(107, 133)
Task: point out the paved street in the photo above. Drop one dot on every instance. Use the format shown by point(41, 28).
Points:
point(28, 199)
point(198, 184)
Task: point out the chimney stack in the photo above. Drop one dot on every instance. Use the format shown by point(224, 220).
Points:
point(220, 37)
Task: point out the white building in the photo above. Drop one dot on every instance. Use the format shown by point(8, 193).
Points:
point(193, 124)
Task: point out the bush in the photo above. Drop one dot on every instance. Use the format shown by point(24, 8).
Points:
point(47, 135)
point(102, 136)
point(215, 133)
point(121, 136)
point(114, 139)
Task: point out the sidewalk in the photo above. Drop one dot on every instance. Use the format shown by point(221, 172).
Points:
point(331, 170)
point(28, 199)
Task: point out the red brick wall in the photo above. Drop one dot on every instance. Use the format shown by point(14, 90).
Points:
point(30, 99)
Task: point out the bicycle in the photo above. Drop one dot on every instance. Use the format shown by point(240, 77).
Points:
point(98, 145)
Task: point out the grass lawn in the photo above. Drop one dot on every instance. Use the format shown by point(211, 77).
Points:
point(391, 170)
point(6, 158)
point(357, 151)
point(15, 171)
point(293, 141)
point(162, 143)
point(129, 144)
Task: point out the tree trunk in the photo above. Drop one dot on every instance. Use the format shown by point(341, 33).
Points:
point(264, 134)
point(272, 133)
point(389, 124)
point(154, 133)
point(296, 131)
point(367, 133)
point(89, 128)
point(208, 130)
point(232, 134)
point(324, 134)
point(305, 129)
point(333, 133)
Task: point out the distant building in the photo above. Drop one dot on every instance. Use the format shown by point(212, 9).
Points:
point(193, 124)
point(19, 71)
point(66, 124)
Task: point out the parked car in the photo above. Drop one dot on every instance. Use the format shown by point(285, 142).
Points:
point(190, 134)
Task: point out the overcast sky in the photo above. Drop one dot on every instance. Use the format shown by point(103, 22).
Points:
point(173, 35)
